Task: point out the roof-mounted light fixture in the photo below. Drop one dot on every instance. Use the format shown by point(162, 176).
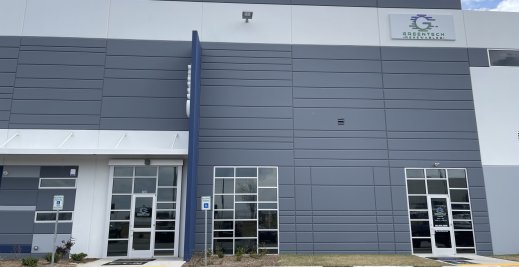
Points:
point(246, 15)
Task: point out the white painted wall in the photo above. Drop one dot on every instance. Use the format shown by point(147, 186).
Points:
point(71, 18)
point(154, 20)
point(89, 212)
point(492, 29)
point(497, 113)
point(222, 22)
point(12, 14)
point(334, 25)
point(501, 183)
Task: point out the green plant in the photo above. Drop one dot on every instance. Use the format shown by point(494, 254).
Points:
point(262, 251)
point(78, 257)
point(57, 257)
point(219, 252)
point(30, 261)
point(254, 254)
point(239, 253)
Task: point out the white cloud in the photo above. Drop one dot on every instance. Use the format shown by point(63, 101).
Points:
point(508, 5)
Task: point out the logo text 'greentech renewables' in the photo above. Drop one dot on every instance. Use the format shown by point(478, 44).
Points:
point(423, 27)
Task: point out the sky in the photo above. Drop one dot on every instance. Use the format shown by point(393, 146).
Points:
point(493, 5)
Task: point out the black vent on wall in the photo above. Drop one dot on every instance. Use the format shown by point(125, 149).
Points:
point(340, 122)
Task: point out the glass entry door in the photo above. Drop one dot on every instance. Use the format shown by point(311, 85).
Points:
point(441, 225)
point(142, 226)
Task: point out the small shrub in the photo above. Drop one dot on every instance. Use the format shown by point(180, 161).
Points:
point(57, 257)
point(64, 249)
point(219, 252)
point(30, 261)
point(78, 257)
point(254, 254)
point(262, 251)
point(239, 253)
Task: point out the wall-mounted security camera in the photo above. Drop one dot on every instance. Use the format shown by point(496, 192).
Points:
point(246, 15)
point(436, 164)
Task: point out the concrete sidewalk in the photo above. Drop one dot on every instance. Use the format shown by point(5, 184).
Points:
point(476, 260)
point(162, 262)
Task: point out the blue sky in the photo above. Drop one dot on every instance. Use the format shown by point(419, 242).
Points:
point(496, 5)
point(480, 4)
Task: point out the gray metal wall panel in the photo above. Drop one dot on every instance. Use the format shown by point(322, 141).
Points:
point(7, 79)
point(22, 171)
point(64, 83)
point(64, 42)
point(18, 197)
point(250, 124)
point(15, 239)
point(336, 52)
point(48, 228)
point(58, 83)
point(143, 88)
point(246, 96)
point(117, 47)
point(429, 94)
point(8, 65)
point(428, 120)
point(326, 119)
point(478, 57)
point(436, 81)
point(16, 222)
point(63, 58)
point(323, 65)
point(425, 67)
point(54, 107)
point(19, 183)
point(342, 176)
point(149, 124)
point(45, 196)
point(424, 53)
point(57, 94)
point(133, 107)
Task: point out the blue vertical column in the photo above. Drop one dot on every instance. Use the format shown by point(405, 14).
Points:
point(192, 168)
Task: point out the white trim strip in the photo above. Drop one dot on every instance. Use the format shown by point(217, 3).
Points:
point(92, 142)
point(17, 208)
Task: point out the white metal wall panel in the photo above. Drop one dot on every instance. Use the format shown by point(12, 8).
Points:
point(66, 18)
point(334, 25)
point(224, 23)
point(12, 13)
point(154, 20)
point(492, 29)
point(495, 99)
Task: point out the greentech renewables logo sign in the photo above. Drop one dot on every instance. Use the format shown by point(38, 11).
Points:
point(422, 27)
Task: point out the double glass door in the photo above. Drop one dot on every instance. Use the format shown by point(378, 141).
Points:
point(142, 226)
point(441, 225)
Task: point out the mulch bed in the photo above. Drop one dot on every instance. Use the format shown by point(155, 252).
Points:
point(246, 261)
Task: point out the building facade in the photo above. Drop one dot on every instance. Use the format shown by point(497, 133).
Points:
point(373, 126)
